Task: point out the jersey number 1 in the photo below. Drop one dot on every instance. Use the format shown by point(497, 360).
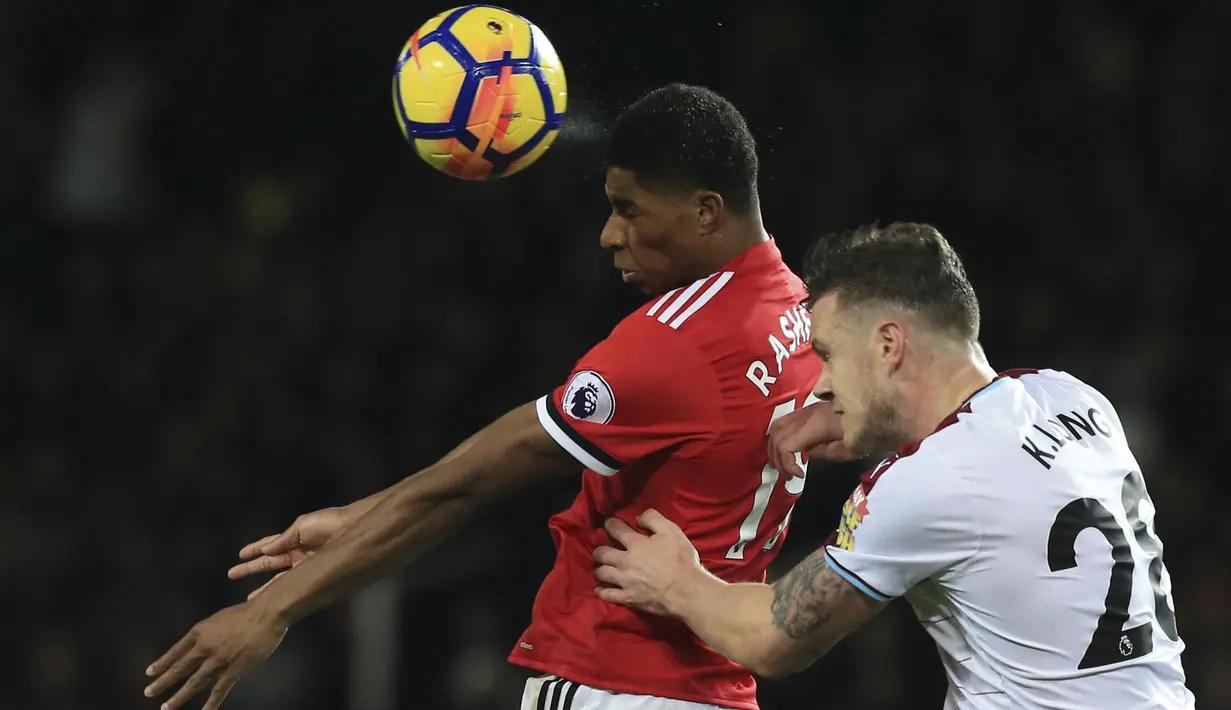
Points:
point(1111, 642)
point(760, 500)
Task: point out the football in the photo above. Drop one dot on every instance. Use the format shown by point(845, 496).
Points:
point(479, 92)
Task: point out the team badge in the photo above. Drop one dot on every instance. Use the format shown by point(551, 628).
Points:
point(853, 512)
point(588, 397)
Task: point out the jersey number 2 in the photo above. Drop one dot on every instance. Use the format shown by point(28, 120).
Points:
point(1111, 642)
point(760, 500)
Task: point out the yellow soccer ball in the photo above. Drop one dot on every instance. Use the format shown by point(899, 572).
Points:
point(479, 92)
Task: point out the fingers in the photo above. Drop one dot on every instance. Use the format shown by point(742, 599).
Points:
point(608, 575)
point(651, 520)
point(771, 453)
point(172, 673)
point(606, 556)
point(621, 532)
point(783, 459)
point(614, 595)
point(790, 463)
point(179, 650)
point(656, 522)
point(219, 693)
point(268, 563)
point(253, 549)
point(195, 684)
point(263, 586)
point(284, 543)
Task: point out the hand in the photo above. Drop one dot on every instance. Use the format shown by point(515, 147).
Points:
point(307, 534)
point(815, 430)
point(221, 649)
point(652, 571)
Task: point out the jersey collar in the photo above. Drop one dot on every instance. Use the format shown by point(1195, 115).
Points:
point(757, 257)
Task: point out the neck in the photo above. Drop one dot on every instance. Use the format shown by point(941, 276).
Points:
point(736, 237)
point(953, 378)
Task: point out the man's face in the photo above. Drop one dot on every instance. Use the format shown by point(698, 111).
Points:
point(653, 237)
point(855, 378)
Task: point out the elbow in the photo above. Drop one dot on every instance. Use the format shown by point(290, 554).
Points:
point(769, 671)
point(774, 667)
point(780, 657)
point(773, 661)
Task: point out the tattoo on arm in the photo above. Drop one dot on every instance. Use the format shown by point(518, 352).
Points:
point(815, 607)
point(804, 598)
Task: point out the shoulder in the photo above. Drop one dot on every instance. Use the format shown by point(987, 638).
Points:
point(917, 469)
point(688, 305)
point(1012, 406)
point(676, 328)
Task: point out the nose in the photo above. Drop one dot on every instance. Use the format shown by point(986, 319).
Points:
point(824, 386)
point(614, 236)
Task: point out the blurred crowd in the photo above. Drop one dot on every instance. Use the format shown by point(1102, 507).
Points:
point(231, 294)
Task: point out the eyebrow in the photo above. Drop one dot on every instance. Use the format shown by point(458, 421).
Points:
point(820, 348)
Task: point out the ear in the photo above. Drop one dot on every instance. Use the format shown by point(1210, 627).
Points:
point(891, 344)
point(709, 211)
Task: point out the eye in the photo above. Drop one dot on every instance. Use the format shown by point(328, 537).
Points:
point(623, 208)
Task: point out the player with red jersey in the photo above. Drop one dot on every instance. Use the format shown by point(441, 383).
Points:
point(669, 412)
point(672, 410)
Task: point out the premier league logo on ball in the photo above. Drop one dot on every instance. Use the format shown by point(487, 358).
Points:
point(588, 397)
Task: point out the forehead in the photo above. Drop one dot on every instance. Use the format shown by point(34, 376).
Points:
point(622, 186)
point(825, 315)
point(621, 182)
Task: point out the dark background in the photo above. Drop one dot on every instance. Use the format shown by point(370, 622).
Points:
point(230, 293)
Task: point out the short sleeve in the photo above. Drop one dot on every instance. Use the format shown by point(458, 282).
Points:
point(909, 520)
point(636, 394)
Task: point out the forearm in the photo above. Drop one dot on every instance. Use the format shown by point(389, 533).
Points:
point(363, 506)
point(734, 619)
point(774, 630)
point(420, 511)
point(399, 526)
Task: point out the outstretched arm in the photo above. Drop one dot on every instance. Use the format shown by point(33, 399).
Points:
point(412, 516)
point(512, 453)
point(577, 426)
point(773, 630)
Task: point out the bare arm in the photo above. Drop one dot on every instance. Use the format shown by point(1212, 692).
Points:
point(359, 508)
point(405, 520)
point(772, 630)
point(779, 629)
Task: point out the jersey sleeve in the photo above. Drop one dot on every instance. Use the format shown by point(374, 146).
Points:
point(633, 395)
point(910, 519)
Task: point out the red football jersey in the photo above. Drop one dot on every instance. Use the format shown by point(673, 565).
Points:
point(671, 412)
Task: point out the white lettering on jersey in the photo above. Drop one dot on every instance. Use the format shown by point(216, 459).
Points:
point(796, 327)
point(758, 374)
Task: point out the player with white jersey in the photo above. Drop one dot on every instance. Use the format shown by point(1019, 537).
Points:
point(1013, 518)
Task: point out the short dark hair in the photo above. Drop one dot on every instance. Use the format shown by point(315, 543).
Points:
point(906, 264)
point(687, 137)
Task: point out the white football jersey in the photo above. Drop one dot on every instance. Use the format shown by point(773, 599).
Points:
point(1022, 535)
